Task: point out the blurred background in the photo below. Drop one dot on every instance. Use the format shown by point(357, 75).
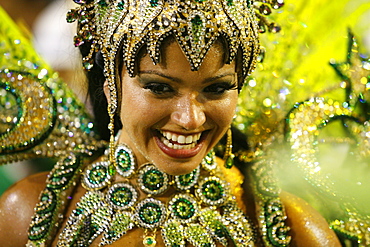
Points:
point(299, 63)
point(44, 23)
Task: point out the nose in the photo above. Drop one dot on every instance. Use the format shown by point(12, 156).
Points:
point(189, 112)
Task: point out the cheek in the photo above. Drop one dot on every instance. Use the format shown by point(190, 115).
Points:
point(224, 111)
point(137, 110)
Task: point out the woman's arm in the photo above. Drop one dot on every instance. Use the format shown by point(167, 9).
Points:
point(17, 208)
point(308, 227)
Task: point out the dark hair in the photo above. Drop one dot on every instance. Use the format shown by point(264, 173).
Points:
point(95, 82)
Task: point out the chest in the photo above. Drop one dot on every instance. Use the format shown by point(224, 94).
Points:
point(209, 226)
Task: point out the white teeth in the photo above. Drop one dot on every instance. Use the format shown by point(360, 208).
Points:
point(182, 141)
point(189, 139)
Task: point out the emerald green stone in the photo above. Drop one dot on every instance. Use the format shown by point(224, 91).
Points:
point(230, 2)
point(183, 208)
point(229, 162)
point(153, 3)
point(103, 3)
point(153, 180)
point(149, 240)
point(121, 5)
point(197, 21)
point(213, 190)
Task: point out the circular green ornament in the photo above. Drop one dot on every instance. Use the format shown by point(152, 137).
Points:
point(150, 213)
point(213, 191)
point(183, 208)
point(151, 180)
point(149, 241)
point(125, 160)
point(96, 176)
point(122, 196)
point(187, 181)
point(208, 162)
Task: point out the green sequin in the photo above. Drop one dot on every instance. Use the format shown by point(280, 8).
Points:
point(121, 5)
point(153, 180)
point(183, 208)
point(121, 196)
point(98, 174)
point(212, 190)
point(150, 213)
point(153, 3)
point(123, 160)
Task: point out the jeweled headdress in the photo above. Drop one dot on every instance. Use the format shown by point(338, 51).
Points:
point(106, 26)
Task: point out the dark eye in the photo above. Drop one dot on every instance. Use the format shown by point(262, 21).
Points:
point(159, 88)
point(220, 88)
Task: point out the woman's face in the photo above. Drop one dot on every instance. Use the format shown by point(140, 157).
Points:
point(172, 116)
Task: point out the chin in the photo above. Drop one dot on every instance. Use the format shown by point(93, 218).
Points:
point(178, 168)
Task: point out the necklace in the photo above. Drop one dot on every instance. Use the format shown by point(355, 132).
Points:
point(201, 211)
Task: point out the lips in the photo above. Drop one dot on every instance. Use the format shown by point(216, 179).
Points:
point(180, 145)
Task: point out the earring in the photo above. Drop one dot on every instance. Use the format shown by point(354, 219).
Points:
point(228, 156)
point(111, 132)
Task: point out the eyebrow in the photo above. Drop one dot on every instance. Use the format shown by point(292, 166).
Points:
point(179, 80)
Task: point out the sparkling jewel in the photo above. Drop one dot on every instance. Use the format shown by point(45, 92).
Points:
point(151, 180)
point(122, 196)
point(97, 175)
point(125, 160)
point(149, 241)
point(150, 213)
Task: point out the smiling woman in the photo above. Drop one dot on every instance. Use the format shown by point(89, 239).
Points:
point(170, 72)
point(187, 112)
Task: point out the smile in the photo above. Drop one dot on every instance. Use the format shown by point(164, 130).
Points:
point(176, 141)
point(180, 146)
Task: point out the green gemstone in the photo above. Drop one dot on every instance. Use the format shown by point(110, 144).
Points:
point(103, 3)
point(153, 180)
point(153, 3)
point(150, 213)
point(149, 241)
point(121, 5)
point(229, 162)
point(121, 196)
point(212, 190)
point(183, 208)
point(197, 21)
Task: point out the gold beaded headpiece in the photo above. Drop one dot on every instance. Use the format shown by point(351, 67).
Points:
point(107, 26)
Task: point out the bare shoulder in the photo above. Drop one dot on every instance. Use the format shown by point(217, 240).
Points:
point(17, 208)
point(308, 227)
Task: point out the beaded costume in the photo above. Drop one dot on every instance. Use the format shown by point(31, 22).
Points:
point(56, 125)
